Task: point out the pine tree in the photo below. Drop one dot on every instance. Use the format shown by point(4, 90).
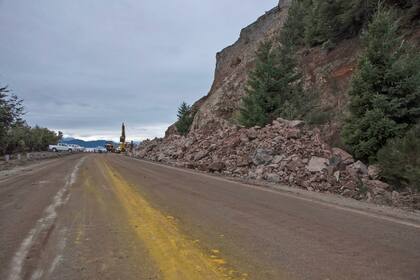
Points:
point(292, 102)
point(322, 22)
point(185, 119)
point(294, 28)
point(355, 15)
point(273, 88)
point(258, 105)
point(385, 91)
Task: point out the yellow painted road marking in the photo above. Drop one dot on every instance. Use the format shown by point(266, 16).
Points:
point(177, 257)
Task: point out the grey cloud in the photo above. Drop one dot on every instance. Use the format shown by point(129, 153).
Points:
point(85, 66)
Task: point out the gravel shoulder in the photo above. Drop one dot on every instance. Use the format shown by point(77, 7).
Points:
point(381, 211)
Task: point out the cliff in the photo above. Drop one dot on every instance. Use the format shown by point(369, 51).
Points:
point(232, 66)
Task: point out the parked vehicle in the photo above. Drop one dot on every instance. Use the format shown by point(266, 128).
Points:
point(100, 150)
point(76, 148)
point(61, 147)
point(81, 149)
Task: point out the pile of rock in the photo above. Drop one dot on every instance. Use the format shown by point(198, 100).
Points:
point(284, 152)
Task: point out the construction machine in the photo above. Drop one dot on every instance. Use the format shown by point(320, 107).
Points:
point(110, 147)
point(122, 139)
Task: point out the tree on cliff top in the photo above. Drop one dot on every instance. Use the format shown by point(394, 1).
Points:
point(326, 22)
point(185, 119)
point(385, 91)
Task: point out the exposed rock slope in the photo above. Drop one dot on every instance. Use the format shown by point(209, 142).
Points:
point(329, 72)
point(233, 64)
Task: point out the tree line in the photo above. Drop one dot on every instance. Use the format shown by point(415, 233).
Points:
point(325, 22)
point(16, 136)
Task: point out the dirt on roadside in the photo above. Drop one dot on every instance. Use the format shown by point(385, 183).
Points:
point(28, 158)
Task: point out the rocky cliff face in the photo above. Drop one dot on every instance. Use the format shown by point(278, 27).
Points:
point(329, 72)
point(233, 64)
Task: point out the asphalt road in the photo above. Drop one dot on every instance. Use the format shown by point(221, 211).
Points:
point(113, 217)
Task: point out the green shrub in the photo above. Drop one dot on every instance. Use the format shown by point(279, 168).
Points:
point(399, 160)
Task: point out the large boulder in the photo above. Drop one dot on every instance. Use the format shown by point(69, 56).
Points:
point(262, 156)
point(233, 142)
point(344, 157)
point(200, 155)
point(252, 133)
point(377, 185)
point(374, 171)
point(161, 157)
point(317, 164)
point(291, 124)
point(243, 162)
point(244, 138)
point(272, 177)
point(217, 166)
point(357, 169)
point(278, 158)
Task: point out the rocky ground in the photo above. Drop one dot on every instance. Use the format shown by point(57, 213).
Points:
point(284, 152)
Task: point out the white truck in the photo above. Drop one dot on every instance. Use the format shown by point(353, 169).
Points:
point(61, 147)
point(76, 148)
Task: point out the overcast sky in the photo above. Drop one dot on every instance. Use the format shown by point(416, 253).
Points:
point(84, 66)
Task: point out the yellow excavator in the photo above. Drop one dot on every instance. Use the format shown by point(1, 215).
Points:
point(122, 139)
point(123, 145)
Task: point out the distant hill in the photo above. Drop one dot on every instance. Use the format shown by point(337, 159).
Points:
point(85, 144)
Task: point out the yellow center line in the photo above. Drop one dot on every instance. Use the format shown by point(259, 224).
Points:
point(177, 256)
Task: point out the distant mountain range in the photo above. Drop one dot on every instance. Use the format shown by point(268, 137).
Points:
point(86, 144)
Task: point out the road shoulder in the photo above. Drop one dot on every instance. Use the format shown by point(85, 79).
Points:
point(392, 214)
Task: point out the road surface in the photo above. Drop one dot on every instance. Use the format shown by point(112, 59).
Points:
point(112, 217)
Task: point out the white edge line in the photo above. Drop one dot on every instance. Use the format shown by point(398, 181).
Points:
point(47, 219)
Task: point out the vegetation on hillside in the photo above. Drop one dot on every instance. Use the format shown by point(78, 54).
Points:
point(15, 134)
point(185, 119)
point(385, 91)
point(325, 22)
